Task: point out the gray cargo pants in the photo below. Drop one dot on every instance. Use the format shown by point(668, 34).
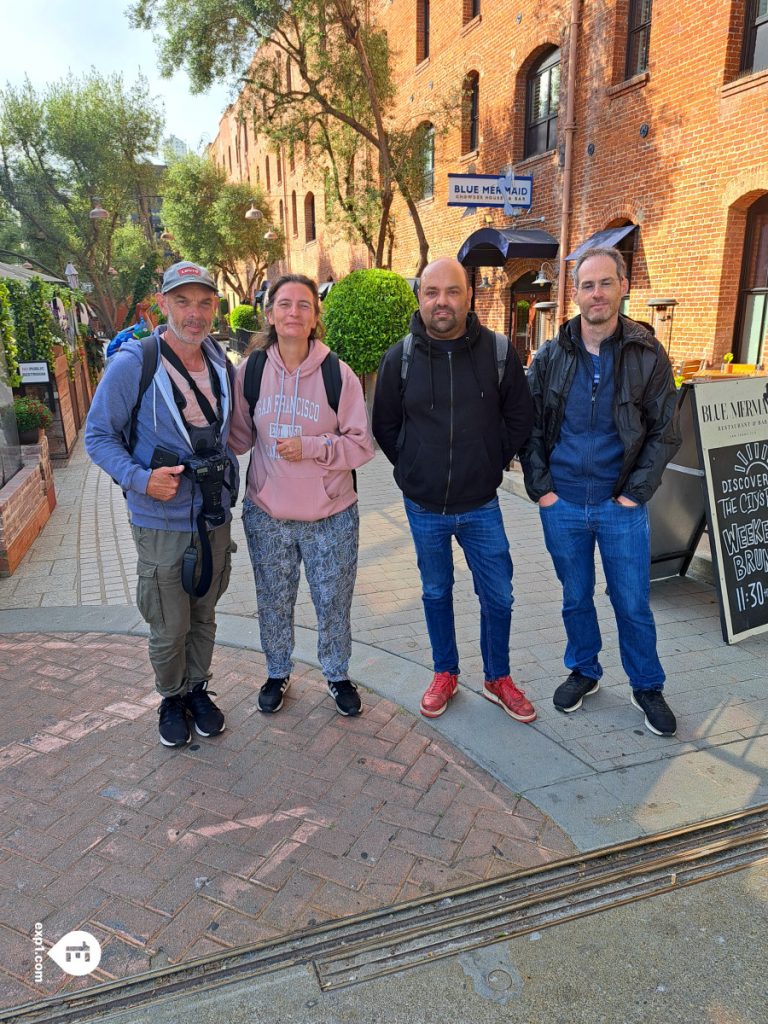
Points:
point(182, 629)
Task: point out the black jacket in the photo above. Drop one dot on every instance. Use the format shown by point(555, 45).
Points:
point(644, 409)
point(454, 428)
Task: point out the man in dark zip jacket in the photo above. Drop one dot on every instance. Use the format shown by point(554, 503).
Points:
point(605, 426)
point(449, 415)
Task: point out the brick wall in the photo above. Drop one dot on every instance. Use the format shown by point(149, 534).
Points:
point(679, 150)
point(26, 503)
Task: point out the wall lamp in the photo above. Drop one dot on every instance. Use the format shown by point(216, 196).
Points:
point(663, 312)
point(547, 274)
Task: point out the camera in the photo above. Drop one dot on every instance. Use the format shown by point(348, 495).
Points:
point(207, 468)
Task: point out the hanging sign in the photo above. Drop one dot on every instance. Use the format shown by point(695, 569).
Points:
point(34, 373)
point(732, 433)
point(507, 191)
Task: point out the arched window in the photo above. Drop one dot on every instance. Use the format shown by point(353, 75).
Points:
point(638, 36)
point(294, 215)
point(425, 144)
point(279, 162)
point(310, 233)
point(754, 55)
point(751, 342)
point(267, 178)
point(542, 100)
point(282, 216)
point(470, 120)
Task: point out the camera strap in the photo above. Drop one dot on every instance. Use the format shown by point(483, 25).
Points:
point(205, 406)
point(189, 562)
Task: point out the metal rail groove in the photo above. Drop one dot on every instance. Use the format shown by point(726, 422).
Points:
point(372, 945)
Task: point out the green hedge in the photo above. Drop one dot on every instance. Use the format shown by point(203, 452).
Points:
point(366, 313)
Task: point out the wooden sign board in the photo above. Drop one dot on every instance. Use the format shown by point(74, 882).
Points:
point(732, 433)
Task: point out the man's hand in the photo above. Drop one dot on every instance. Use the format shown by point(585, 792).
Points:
point(164, 482)
point(547, 499)
point(626, 502)
point(289, 448)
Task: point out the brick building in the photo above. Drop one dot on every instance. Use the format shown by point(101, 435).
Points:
point(666, 150)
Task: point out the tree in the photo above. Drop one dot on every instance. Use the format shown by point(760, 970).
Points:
point(205, 213)
point(366, 313)
point(340, 98)
point(60, 150)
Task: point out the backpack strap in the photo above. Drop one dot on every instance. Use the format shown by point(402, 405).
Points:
point(405, 361)
point(254, 371)
point(148, 368)
point(331, 371)
point(502, 351)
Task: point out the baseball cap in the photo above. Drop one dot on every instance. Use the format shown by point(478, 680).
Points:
point(186, 273)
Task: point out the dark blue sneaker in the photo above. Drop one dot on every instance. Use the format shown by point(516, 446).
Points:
point(174, 730)
point(569, 695)
point(208, 719)
point(658, 715)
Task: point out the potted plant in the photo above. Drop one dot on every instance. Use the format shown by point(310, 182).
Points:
point(32, 417)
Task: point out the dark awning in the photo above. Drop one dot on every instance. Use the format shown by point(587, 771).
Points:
point(602, 240)
point(324, 288)
point(492, 247)
point(413, 284)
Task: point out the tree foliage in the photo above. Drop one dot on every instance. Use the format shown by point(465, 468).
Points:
point(205, 213)
point(61, 149)
point(340, 100)
point(366, 313)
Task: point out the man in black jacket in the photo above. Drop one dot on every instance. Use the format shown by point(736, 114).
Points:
point(450, 411)
point(605, 426)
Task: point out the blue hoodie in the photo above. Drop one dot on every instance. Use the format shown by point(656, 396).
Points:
point(158, 424)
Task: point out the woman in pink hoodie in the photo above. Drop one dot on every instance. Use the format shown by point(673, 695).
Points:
point(300, 503)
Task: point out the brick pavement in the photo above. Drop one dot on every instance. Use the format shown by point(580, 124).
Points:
point(281, 823)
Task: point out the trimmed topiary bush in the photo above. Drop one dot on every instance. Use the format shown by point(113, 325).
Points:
point(244, 318)
point(366, 313)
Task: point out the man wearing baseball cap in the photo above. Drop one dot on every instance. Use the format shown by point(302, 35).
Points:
point(159, 425)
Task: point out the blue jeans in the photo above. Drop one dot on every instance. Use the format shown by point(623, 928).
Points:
point(623, 536)
point(486, 548)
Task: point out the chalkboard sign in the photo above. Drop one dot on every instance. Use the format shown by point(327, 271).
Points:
point(732, 433)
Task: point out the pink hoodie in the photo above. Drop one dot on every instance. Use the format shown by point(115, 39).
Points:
point(295, 403)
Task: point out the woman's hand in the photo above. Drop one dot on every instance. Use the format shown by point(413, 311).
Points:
point(289, 448)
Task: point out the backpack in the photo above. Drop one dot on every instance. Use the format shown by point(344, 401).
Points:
point(330, 368)
point(148, 368)
point(502, 351)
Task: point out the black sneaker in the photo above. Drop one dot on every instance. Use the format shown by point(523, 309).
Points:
point(569, 695)
point(346, 696)
point(659, 717)
point(208, 719)
point(271, 695)
point(174, 731)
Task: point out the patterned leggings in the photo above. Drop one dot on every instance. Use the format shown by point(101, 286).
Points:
point(328, 548)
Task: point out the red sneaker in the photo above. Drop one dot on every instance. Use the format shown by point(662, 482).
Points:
point(438, 693)
point(508, 696)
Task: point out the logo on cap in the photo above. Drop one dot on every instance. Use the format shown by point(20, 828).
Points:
point(184, 271)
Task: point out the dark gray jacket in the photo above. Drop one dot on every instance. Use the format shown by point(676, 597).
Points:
point(644, 409)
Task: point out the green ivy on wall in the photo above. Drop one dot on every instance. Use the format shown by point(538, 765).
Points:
point(10, 366)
